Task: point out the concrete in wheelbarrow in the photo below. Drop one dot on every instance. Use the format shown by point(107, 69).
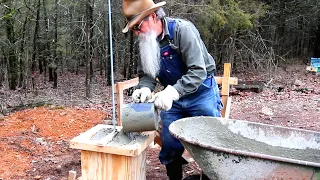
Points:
point(234, 149)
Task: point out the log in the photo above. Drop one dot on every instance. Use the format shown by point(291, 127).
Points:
point(253, 86)
point(28, 106)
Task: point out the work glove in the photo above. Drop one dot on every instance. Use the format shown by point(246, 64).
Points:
point(164, 99)
point(141, 95)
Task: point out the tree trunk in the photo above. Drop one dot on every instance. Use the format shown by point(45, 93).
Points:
point(13, 61)
point(106, 48)
point(316, 52)
point(22, 59)
point(35, 42)
point(109, 63)
point(3, 65)
point(101, 59)
point(55, 45)
point(46, 37)
point(126, 64)
point(281, 28)
point(89, 47)
point(55, 79)
point(131, 61)
point(70, 66)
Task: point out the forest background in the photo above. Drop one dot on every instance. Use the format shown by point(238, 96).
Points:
point(56, 54)
point(44, 40)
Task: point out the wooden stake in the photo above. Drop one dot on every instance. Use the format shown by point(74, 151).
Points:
point(225, 87)
point(72, 175)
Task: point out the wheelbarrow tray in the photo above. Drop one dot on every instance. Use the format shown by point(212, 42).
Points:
point(235, 149)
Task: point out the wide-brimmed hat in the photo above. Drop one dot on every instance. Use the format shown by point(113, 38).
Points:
point(136, 10)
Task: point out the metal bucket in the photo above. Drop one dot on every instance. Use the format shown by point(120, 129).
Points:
point(227, 149)
point(138, 117)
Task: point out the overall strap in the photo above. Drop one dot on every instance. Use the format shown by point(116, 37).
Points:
point(171, 28)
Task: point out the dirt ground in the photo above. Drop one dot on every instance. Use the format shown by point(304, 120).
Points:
point(34, 142)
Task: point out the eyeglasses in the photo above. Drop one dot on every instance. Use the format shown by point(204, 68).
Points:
point(137, 27)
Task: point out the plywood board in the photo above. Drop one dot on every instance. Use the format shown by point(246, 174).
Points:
point(102, 166)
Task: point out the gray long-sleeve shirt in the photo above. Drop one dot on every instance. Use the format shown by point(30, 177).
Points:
point(194, 54)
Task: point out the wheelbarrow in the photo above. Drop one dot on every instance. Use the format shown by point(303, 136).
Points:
point(227, 149)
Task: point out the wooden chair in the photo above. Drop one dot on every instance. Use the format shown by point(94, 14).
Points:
point(225, 81)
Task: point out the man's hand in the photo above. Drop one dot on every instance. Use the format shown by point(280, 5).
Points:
point(164, 99)
point(141, 95)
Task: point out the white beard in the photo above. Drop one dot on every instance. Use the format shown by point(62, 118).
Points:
point(149, 53)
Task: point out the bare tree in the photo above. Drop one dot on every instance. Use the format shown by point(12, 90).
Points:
point(11, 39)
point(89, 46)
point(35, 41)
point(53, 65)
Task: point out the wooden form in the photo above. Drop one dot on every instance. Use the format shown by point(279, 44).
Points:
point(119, 88)
point(101, 161)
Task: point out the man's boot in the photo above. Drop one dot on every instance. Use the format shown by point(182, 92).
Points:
point(174, 170)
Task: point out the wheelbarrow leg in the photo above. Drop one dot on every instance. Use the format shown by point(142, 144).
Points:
point(203, 176)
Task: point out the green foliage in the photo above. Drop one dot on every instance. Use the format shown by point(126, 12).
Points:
point(238, 19)
point(9, 13)
point(230, 14)
point(4, 1)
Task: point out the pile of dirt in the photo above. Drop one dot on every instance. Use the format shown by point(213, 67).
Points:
point(34, 142)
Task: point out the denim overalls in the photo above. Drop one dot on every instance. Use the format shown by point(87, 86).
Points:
point(204, 102)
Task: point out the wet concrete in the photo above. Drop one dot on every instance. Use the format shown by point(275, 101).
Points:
point(250, 137)
point(226, 166)
point(102, 133)
point(120, 138)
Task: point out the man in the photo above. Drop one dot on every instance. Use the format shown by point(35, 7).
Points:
point(173, 54)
